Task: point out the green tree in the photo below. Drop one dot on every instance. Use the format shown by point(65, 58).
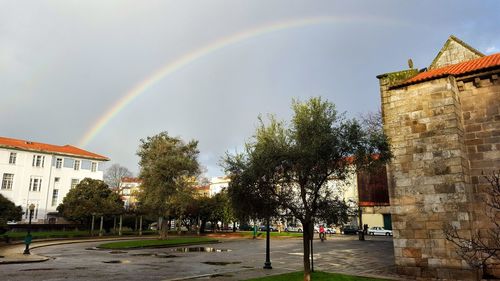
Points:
point(291, 165)
point(89, 197)
point(168, 167)
point(8, 212)
point(248, 191)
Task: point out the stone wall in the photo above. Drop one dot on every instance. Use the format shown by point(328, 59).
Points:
point(444, 134)
point(454, 51)
point(429, 177)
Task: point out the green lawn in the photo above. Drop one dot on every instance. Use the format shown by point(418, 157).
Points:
point(170, 242)
point(316, 276)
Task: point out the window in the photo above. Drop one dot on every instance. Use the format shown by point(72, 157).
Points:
point(74, 182)
point(12, 158)
point(55, 194)
point(58, 163)
point(76, 166)
point(35, 184)
point(38, 160)
point(7, 181)
point(57, 179)
point(93, 167)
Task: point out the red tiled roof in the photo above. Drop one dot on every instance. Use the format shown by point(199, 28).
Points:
point(129, 179)
point(202, 187)
point(49, 148)
point(462, 68)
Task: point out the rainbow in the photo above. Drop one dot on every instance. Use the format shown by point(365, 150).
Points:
point(192, 56)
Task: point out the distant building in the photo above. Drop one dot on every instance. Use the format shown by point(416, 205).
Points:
point(368, 192)
point(202, 190)
point(42, 174)
point(217, 184)
point(128, 190)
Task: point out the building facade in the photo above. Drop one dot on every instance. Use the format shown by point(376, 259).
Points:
point(42, 174)
point(443, 123)
point(128, 190)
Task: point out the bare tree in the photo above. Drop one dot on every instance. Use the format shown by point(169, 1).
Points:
point(114, 175)
point(372, 121)
point(482, 246)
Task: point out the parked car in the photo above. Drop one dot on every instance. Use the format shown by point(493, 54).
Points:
point(349, 230)
point(293, 228)
point(377, 230)
point(330, 230)
point(264, 228)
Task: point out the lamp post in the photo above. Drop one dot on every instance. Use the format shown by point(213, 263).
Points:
point(267, 264)
point(28, 238)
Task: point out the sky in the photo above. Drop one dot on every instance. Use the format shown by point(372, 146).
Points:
point(102, 75)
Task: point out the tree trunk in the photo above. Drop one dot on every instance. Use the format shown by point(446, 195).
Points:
point(140, 226)
point(120, 226)
point(306, 240)
point(163, 228)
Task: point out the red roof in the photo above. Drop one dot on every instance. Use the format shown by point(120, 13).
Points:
point(462, 68)
point(49, 148)
point(132, 180)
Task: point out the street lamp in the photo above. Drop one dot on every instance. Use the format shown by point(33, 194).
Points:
point(28, 238)
point(267, 264)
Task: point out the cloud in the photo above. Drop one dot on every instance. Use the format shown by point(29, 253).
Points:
point(492, 49)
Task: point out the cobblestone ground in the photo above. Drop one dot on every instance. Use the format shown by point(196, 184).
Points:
point(233, 259)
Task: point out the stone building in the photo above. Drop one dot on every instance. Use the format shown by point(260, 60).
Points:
point(444, 127)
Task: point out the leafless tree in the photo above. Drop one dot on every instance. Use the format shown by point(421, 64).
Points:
point(114, 175)
point(483, 245)
point(372, 121)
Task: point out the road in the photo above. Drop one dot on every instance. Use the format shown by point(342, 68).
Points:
point(232, 259)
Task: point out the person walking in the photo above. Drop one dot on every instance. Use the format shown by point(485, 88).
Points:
point(322, 235)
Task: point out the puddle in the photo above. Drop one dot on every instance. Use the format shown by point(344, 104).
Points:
point(200, 249)
point(143, 255)
point(221, 262)
point(116, 261)
point(157, 255)
point(166, 256)
point(37, 269)
point(246, 266)
point(81, 267)
point(221, 275)
point(117, 252)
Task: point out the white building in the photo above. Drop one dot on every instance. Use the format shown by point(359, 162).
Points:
point(217, 184)
point(42, 174)
point(129, 187)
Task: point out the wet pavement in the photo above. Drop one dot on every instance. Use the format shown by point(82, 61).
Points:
point(232, 259)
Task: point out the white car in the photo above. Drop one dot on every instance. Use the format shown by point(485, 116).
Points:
point(291, 228)
point(330, 230)
point(377, 230)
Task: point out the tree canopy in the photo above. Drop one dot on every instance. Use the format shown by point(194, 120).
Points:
point(8, 212)
point(89, 197)
point(169, 167)
point(290, 165)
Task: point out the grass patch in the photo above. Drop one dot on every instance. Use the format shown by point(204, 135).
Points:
point(316, 276)
point(157, 243)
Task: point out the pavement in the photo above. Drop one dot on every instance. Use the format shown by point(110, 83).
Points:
point(232, 259)
point(13, 253)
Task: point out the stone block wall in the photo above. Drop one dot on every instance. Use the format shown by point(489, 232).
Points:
point(443, 134)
